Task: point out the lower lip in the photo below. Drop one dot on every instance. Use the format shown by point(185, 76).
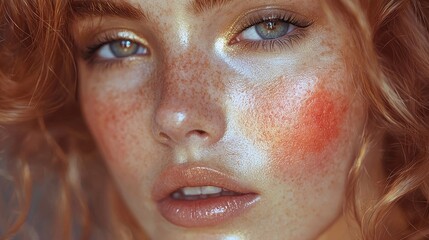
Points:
point(205, 212)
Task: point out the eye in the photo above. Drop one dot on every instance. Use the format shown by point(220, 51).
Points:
point(267, 30)
point(121, 49)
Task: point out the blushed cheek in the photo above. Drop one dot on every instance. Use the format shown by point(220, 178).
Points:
point(300, 131)
point(319, 121)
point(317, 128)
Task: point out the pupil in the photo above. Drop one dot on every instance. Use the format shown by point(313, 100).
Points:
point(125, 44)
point(271, 25)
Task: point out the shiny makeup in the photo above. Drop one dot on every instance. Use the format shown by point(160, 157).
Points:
point(222, 119)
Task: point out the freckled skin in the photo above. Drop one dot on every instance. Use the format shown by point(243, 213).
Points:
point(285, 122)
point(183, 85)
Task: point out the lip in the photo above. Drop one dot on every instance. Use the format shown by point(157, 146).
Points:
point(205, 212)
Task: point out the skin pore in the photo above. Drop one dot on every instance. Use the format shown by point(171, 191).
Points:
point(280, 116)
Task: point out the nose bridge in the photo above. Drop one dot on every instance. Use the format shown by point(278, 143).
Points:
point(189, 104)
point(190, 79)
point(188, 74)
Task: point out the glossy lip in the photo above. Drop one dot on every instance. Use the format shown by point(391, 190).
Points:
point(204, 212)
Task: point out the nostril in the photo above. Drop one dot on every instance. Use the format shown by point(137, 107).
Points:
point(197, 133)
point(164, 136)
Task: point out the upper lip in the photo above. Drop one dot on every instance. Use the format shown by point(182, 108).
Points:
point(179, 176)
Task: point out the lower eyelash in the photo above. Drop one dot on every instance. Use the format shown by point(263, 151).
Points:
point(273, 45)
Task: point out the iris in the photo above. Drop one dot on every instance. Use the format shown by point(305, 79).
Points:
point(124, 48)
point(272, 29)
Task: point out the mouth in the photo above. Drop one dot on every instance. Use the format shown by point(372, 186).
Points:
point(199, 193)
point(200, 197)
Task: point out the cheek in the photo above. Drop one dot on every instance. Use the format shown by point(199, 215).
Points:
point(300, 131)
point(112, 101)
point(110, 119)
point(118, 120)
point(318, 124)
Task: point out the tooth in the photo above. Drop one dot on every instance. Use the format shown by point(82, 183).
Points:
point(191, 191)
point(210, 190)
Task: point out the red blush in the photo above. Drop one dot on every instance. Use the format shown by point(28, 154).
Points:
point(319, 122)
point(305, 146)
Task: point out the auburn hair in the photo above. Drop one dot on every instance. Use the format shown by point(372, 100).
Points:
point(44, 140)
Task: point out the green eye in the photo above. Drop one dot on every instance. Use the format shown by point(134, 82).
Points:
point(267, 30)
point(121, 49)
point(272, 29)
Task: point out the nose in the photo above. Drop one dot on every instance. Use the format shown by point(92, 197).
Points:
point(189, 109)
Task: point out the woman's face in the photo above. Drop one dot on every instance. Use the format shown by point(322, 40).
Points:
point(221, 119)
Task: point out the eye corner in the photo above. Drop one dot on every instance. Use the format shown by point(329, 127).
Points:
point(233, 41)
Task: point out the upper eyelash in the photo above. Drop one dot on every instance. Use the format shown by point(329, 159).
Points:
point(89, 52)
point(254, 20)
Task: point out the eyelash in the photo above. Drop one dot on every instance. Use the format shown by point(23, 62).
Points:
point(272, 44)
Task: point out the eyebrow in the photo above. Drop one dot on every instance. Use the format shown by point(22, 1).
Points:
point(99, 8)
point(200, 6)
